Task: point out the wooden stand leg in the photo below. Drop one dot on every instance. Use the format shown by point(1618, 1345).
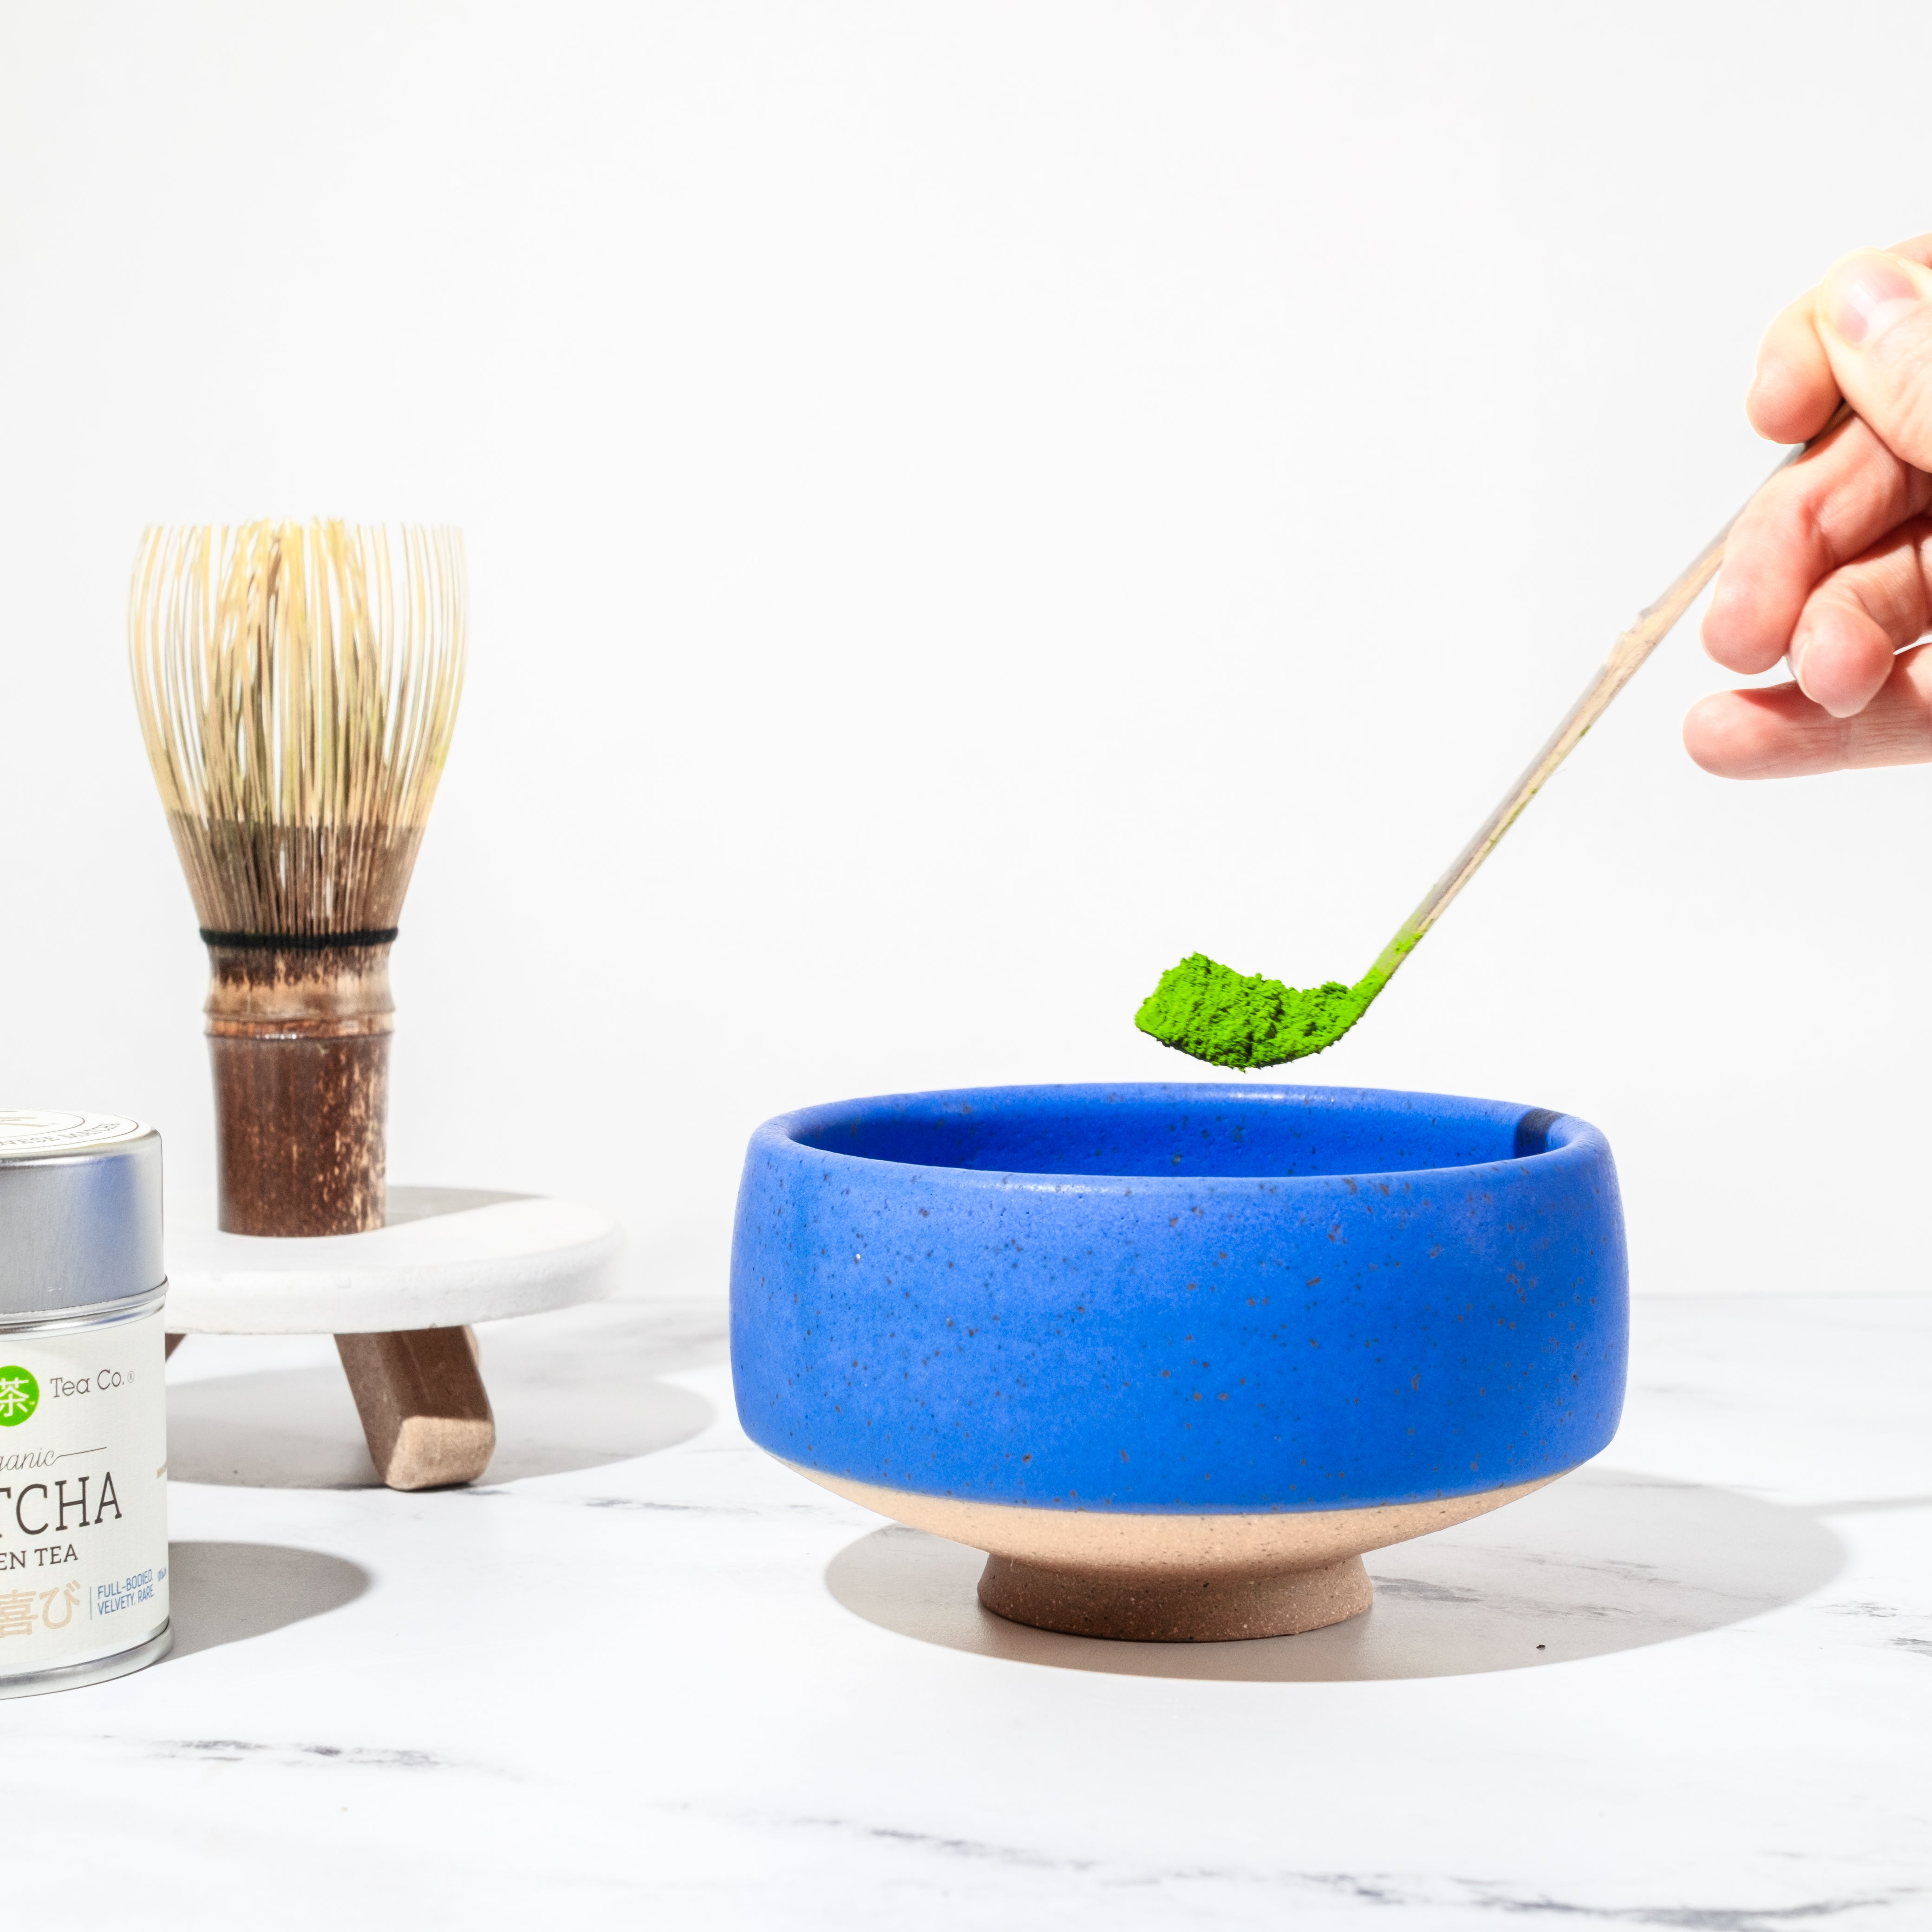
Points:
point(424, 1408)
point(171, 1343)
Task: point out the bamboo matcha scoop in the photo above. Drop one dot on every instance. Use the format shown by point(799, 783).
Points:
point(1215, 1014)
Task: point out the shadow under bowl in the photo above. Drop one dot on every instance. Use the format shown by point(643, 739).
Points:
point(1175, 1355)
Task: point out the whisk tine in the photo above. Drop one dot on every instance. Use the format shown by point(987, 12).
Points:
point(297, 685)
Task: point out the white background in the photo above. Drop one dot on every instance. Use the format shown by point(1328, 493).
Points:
point(966, 503)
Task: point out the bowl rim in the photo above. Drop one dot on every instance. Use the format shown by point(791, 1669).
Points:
point(1568, 1139)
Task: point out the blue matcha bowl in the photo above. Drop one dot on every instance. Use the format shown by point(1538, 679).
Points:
point(1175, 1355)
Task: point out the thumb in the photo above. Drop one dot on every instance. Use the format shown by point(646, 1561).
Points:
point(1875, 320)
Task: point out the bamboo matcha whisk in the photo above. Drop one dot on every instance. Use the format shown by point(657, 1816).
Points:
point(297, 685)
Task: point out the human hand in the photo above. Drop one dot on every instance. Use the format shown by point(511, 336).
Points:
point(1831, 565)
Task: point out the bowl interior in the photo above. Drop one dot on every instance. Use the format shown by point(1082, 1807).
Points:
point(1205, 1132)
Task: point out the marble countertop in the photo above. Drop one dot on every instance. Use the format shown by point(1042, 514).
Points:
point(645, 1675)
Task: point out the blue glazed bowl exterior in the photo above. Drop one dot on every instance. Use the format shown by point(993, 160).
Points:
point(1193, 1298)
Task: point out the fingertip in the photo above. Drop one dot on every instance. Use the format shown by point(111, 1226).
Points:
point(1730, 632)
point(1841, 656)
point(1709, 735)
point(1711, 633)
point(1787, 404)
point(1773, 732)
point(1793, 390)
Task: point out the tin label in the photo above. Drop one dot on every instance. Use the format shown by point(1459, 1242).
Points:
point(83, 1493)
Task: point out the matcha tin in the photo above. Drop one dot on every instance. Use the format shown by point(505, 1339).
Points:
point(83, 1420)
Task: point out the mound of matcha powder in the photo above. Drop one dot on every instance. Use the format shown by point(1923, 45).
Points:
point(1236, 1020)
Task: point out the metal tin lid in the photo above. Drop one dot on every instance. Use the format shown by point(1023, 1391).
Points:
point(80, 1210)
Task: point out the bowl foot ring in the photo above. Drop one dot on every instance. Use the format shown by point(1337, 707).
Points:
point(1151, 1607)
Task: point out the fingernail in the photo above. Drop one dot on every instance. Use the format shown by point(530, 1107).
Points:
point(1869, 299)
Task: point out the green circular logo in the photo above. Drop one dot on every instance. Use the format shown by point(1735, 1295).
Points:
point(20, 1396)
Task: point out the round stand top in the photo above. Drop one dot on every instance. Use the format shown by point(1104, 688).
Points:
point(448, 1256)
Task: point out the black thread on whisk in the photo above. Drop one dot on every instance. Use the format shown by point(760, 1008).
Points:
point(298, 942)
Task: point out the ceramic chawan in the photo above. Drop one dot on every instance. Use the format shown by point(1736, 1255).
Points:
point(1176, 1356)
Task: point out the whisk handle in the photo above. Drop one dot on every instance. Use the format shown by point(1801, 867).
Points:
point(298, 1042)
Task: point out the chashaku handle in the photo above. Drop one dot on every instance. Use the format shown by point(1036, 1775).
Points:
point(1654, 624)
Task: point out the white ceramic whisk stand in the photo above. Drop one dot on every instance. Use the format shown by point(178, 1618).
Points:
point(448, 1258)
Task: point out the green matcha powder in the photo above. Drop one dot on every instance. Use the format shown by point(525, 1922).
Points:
point(1234, 1019)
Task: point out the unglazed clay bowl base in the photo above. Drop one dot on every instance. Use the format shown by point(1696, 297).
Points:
point(1171, 1578)
point(1134, 1607)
